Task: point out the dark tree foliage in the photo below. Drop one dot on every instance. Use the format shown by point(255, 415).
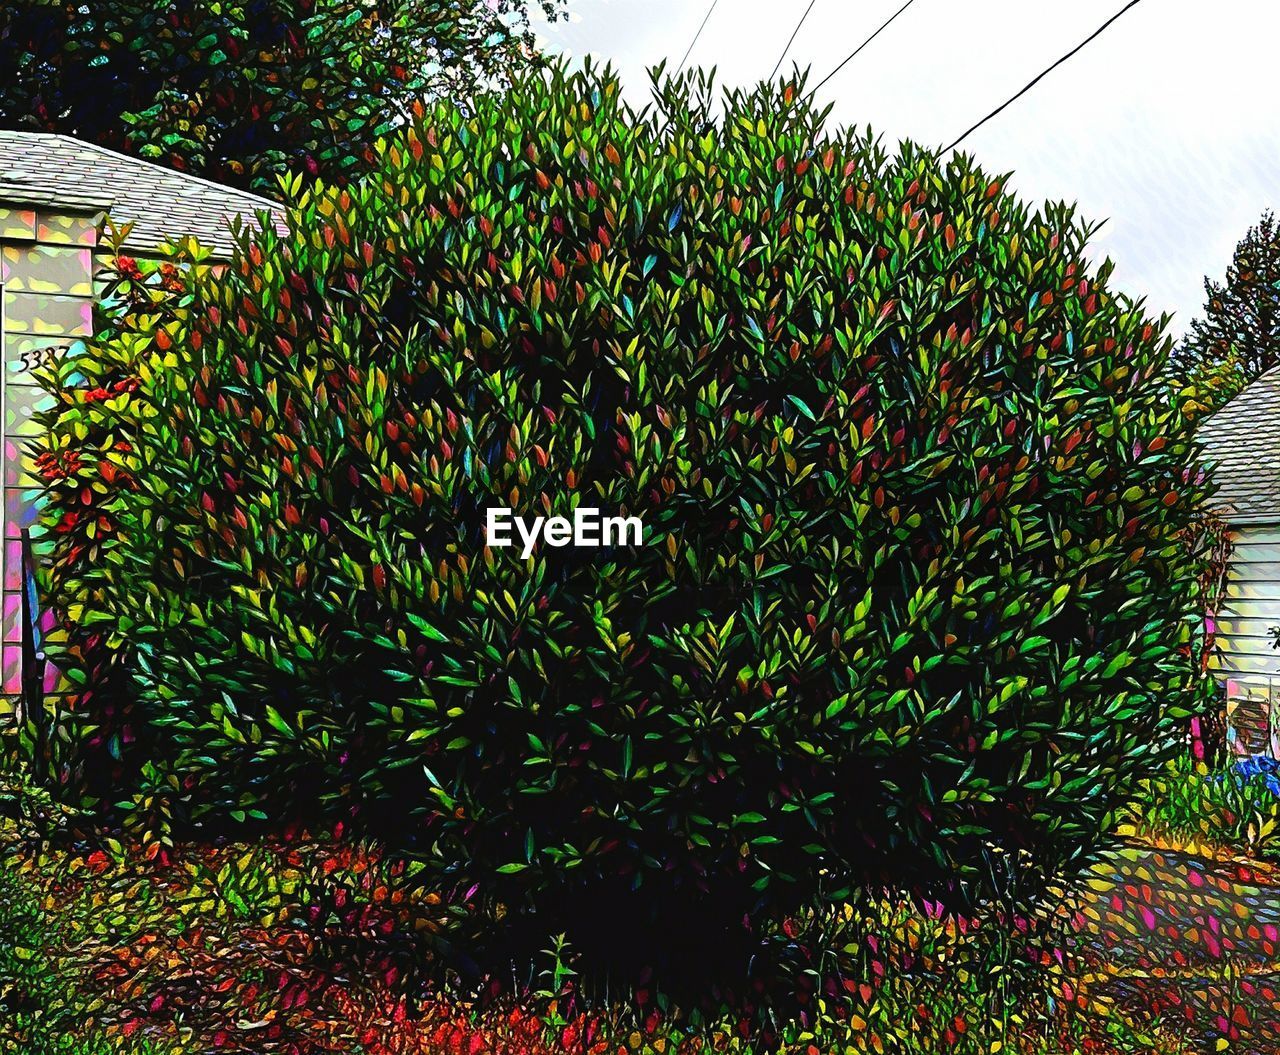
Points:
point(242, 92)
point(1237, 339)
point(913, 589)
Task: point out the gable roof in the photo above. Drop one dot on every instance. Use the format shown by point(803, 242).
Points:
point(1241, 442)
point(41, 168)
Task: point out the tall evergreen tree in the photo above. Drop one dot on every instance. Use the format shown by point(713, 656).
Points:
point(1237, 339)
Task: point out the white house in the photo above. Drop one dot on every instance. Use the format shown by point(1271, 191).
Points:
point(55, 193)
point(1242, 443)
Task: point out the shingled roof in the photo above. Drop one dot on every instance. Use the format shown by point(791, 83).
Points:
point(1242, 444)
point(38, 168)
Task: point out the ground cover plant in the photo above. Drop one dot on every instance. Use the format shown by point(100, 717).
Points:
point(297, 945)
point(267, 948)
point(911, 585)
point(1233, 807)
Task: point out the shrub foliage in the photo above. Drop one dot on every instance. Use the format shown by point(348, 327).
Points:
point(910, 584)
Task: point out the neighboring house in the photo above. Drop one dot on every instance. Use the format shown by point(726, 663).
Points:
point(1242, 444)
point(55, 192)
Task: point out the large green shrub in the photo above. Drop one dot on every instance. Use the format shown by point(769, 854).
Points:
point(910, 582)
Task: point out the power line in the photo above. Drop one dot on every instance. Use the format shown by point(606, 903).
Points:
point(856, 51)
point(1044, 73)
point(689, 50)
point(791, 40)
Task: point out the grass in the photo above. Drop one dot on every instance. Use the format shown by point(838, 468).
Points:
point(36, 1017)
point(312, 946)
point(324, 945)
point(1224, 811)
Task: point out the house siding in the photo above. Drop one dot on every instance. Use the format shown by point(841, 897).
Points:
point(1252, 604)
point(47, 278)
point(54, 194)
point(1246, 661)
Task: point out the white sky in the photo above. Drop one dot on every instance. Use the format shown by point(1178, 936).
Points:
point(1167, 126)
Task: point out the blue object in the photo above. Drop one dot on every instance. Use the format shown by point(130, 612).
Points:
point(1249, 769)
